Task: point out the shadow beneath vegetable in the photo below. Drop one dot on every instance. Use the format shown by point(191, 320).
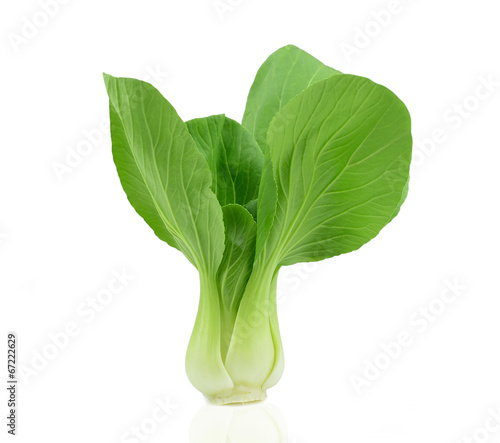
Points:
point(258, 422)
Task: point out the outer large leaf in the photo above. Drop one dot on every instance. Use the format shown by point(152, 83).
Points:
point(285, 74)
point(165, 177)
point(341, 167)
point(234, 157)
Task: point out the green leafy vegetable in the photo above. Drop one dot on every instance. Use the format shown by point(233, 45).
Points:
point(318, 167)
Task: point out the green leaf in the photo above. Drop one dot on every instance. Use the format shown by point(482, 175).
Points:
point(165, 177)
point(237, 261)
point(206, 132)
point(266, 205)
point(233, 156)
point(341, 167)
point(285, 74)
point(236, 266)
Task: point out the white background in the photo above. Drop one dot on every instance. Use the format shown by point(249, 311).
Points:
point(63, 236)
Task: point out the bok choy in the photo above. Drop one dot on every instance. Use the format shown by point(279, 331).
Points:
point(318, 166)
